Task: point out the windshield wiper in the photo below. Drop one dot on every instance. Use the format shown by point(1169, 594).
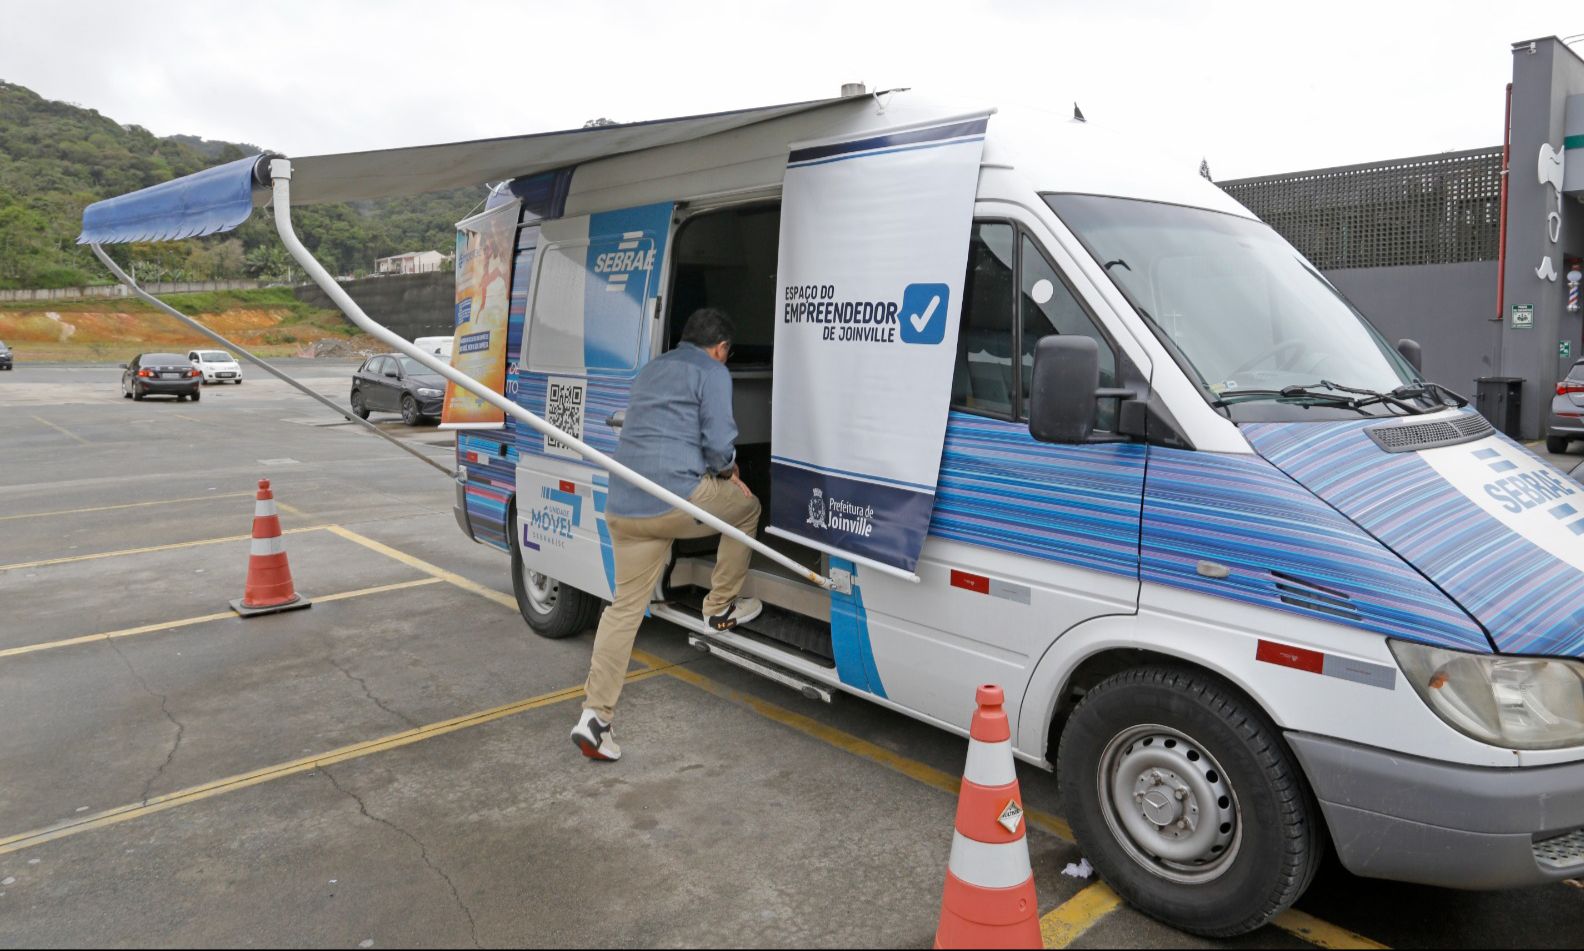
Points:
point(1285, 393)
point(1339, 395)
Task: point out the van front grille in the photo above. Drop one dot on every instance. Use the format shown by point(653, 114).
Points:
point(1411, 437)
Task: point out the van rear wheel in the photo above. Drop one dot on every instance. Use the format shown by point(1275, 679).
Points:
point(1183, 795)
point(552, 609)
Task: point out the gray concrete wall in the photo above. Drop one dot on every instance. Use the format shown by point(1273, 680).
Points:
point(1446, 307)
point(413, 305)
point(1545, 73)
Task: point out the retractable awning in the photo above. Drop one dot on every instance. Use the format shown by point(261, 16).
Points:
point(221, 198)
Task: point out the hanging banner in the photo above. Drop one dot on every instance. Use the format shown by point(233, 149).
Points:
point(874, 246)
point(485, 244)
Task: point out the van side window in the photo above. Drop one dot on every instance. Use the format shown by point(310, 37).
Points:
point(984, 378)
point(1048, 307)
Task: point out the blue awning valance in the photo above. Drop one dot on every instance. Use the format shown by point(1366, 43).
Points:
point(207, 202)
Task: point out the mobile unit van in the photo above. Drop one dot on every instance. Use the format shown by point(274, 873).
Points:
point(1030, 407)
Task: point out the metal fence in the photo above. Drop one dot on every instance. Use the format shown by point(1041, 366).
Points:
point(1429, 209)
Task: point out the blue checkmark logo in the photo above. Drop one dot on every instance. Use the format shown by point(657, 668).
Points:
point(924, 313)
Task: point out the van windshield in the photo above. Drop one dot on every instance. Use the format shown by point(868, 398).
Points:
point(1237, 303)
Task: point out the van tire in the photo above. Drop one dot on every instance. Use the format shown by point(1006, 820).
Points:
point(1277, 838)
point(1556, 445)
point(561, 611)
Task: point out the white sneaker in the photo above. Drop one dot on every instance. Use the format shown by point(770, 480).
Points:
point(739, 611)
point(593, 736)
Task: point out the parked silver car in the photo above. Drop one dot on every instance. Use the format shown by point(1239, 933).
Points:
point(1567, 411)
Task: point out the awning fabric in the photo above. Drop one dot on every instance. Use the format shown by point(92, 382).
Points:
point(220, 198)
point(213, 200)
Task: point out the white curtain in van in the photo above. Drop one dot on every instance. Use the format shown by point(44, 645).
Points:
point(874, 240)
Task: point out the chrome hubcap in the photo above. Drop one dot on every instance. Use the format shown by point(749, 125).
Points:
point(1169, 804)
point(543, 591)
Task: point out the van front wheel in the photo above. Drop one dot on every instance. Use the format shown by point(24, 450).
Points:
point(1186, 800)
point(552, 609)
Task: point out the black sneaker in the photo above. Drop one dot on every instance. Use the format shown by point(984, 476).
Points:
point(593, 737)
point(739, 611)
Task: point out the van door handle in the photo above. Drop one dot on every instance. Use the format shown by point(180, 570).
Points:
point(616, 419)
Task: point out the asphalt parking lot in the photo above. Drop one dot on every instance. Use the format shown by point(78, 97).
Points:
point(391, 767)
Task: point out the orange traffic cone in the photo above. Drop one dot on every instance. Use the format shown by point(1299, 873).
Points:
point(989, 900)
point(269, 582)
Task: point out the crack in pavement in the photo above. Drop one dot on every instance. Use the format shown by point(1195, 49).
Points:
point(181, 729)
point(369, 693)
point(423, 851)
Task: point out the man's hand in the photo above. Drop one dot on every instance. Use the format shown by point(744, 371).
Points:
point(738, 482)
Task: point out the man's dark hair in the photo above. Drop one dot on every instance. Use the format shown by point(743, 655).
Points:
point(707, 327)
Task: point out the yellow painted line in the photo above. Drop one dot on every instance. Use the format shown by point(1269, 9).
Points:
point(1306, 927)
point(201, 619)
point(1321, 934)
point(127, 505)
point(109, 817)
point(1065, 923)
point(842, 740)
point(291, 510)
point(139, 551)
point(63, 430)
point(435, 570)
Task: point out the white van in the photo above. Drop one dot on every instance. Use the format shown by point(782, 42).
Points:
point(439, 346)
point(1046, 412)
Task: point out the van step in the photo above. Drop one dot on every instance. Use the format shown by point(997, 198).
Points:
point(808, 689)
point(808, 635)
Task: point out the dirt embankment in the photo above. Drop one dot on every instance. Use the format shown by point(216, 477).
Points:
point(114, 331)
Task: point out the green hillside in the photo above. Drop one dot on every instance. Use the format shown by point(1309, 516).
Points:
point(56, 157)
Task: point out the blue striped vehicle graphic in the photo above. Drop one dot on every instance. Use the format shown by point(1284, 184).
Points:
point(1081, 505)
point(1529, 601)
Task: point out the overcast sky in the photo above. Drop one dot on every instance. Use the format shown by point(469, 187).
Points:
point(1255, 87)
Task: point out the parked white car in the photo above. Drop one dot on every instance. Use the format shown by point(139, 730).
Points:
point(217, 366)
point(439, 346)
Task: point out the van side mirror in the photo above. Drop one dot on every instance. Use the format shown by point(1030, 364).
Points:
point(1063, 397)
point(1412, 352)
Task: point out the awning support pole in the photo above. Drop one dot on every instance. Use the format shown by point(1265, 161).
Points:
point(263, 364)
point(280, 176)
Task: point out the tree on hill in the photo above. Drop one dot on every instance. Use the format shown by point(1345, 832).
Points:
point(56, 158)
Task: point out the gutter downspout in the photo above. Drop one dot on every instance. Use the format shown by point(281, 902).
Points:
point(280, 178)
point(1501, 250)
point(269, 368)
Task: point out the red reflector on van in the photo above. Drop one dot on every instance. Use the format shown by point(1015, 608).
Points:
point(1283, 655)
point(567, 486)
point(962, 579)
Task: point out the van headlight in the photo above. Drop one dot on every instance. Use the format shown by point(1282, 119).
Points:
point(1521, 703)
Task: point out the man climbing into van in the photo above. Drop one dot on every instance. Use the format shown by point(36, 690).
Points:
point(680, 432)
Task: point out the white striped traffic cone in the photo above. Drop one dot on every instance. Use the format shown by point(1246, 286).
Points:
point(269, 586)
point(989, 900)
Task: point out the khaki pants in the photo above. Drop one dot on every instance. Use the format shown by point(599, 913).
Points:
point(643, 546)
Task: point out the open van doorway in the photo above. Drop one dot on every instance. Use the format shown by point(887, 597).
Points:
point(726, 258)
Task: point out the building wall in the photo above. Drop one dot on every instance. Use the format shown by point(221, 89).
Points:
point(1545, 73)
point(1447, 308)
point(413, 305)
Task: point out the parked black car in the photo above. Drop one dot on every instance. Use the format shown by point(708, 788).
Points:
point(5, 356)
point(166, 374)
point(393, 383)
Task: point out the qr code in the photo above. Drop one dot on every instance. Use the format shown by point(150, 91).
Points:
point(564, 411)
